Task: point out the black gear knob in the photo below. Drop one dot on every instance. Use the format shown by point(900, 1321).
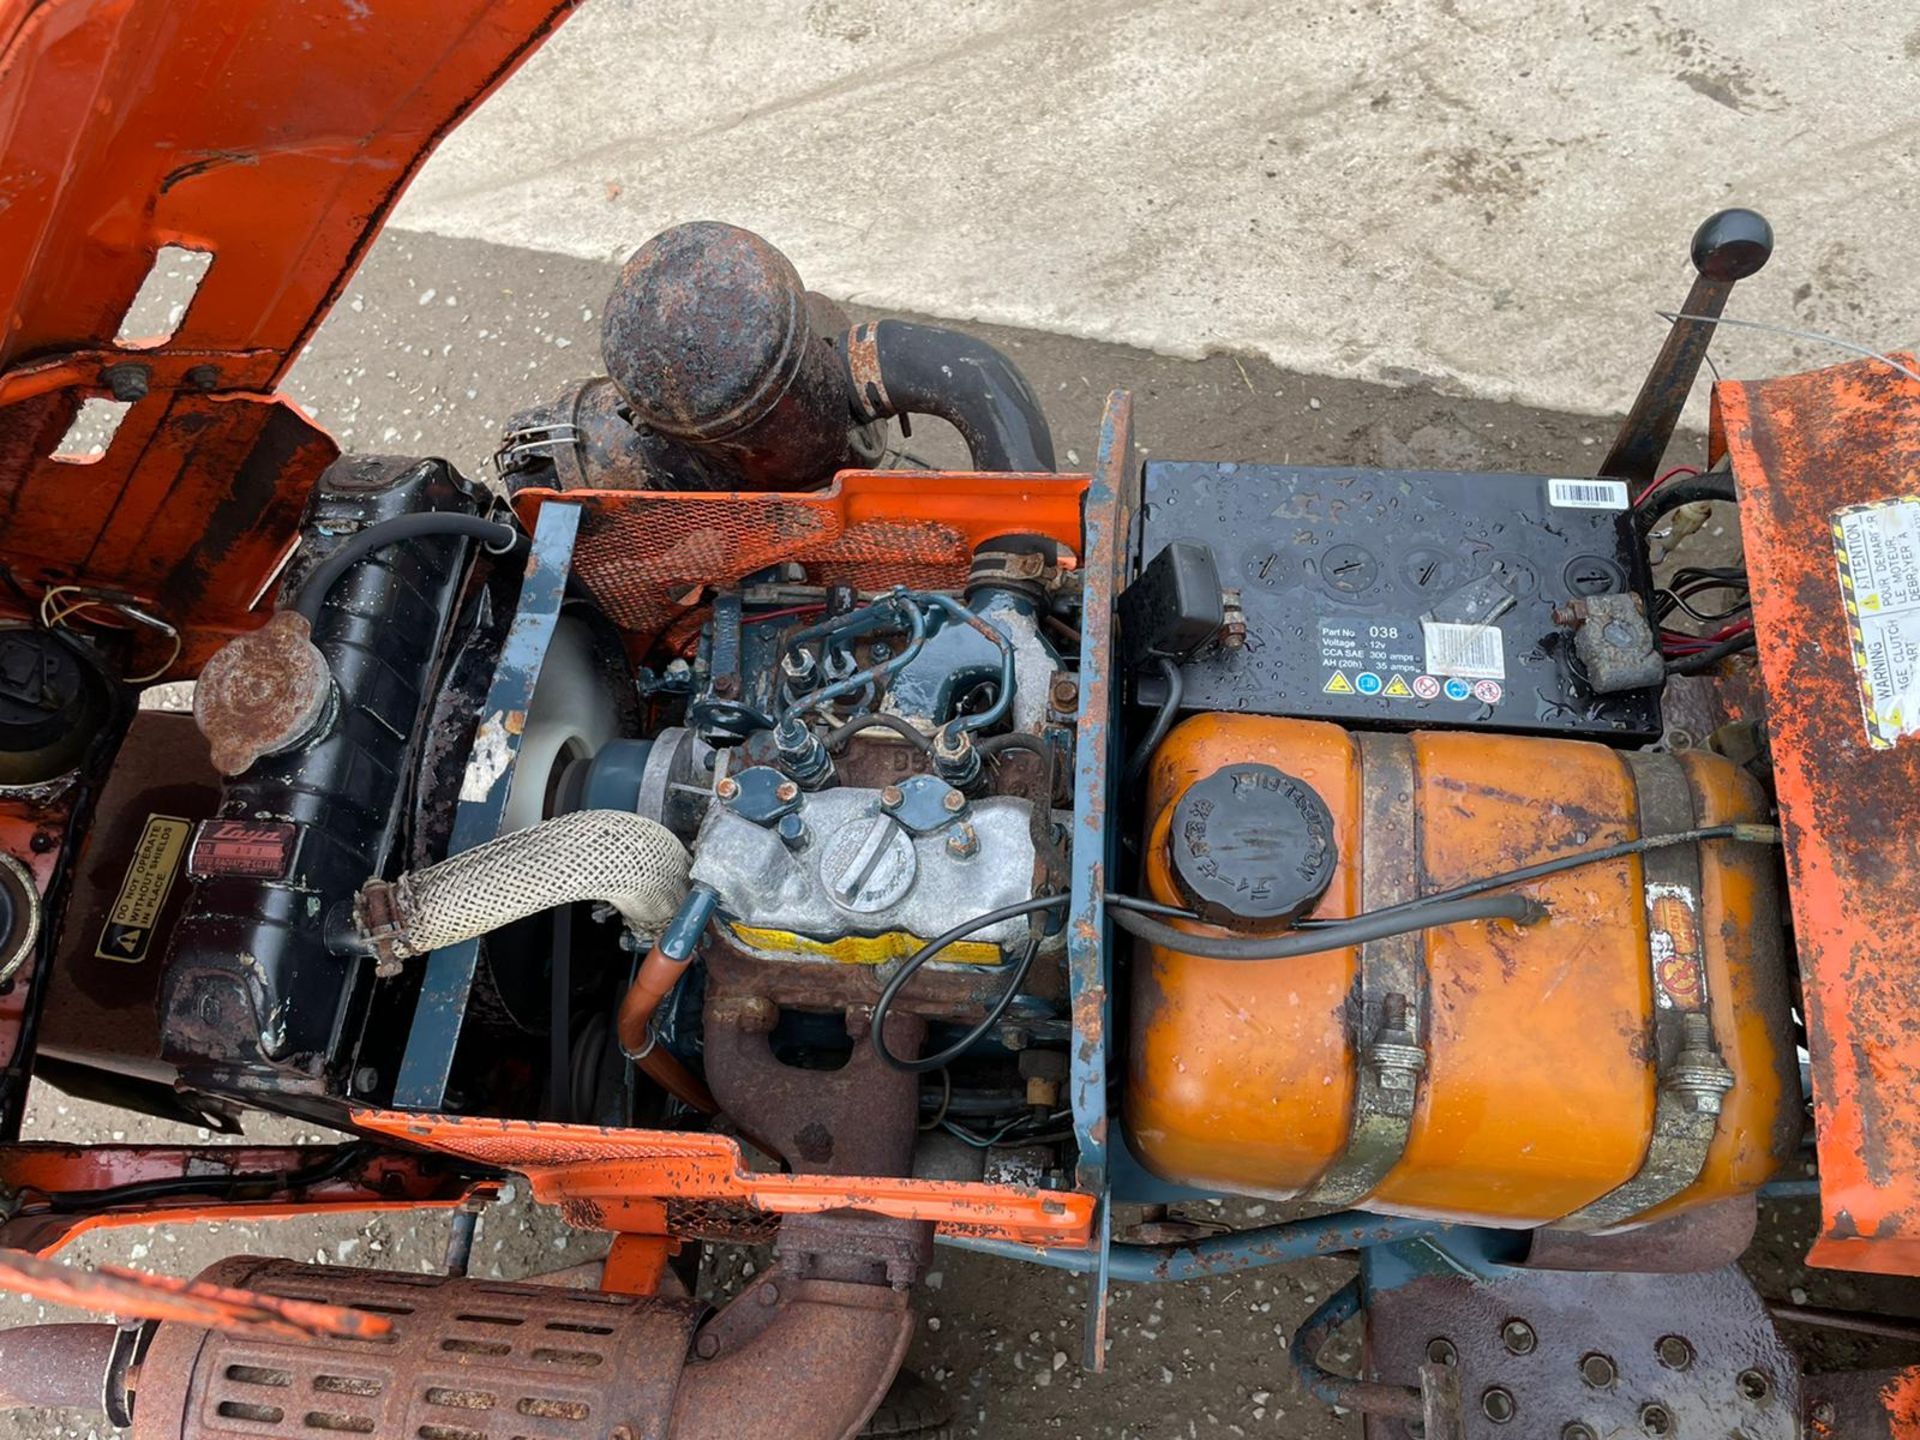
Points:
point(1727, 248)
point(1732, 245)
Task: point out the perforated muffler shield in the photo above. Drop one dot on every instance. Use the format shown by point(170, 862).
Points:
point(466, 1360)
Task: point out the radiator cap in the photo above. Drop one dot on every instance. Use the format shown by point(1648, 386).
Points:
point(1251, 847)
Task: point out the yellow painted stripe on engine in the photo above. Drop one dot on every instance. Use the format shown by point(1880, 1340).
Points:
point(864, 949)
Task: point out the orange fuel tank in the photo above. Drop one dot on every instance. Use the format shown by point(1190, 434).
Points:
point(1626, 1058)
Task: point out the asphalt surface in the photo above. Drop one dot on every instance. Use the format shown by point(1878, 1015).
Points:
point(438, 340)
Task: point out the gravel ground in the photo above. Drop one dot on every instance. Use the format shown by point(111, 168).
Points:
point(436, 342)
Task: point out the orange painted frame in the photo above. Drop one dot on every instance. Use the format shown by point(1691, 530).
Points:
point(1803, 447)
point(275, 134)
point(614, 1179)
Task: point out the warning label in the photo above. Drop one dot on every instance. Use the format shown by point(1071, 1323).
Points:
point(128, 933)
point(1877, 548)
point(1377, 648)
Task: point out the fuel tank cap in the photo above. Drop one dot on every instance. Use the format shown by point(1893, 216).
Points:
point(1251, 847)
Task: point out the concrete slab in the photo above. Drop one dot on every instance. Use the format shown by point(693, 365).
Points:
point(1489, 197)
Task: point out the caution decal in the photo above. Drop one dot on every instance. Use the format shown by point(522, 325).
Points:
point(1877, 551)
point(128, 934)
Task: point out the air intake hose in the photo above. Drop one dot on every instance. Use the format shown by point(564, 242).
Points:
point(898, 368)
point(634, 864)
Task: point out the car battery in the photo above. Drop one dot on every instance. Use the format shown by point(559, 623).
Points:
point(1404, 598)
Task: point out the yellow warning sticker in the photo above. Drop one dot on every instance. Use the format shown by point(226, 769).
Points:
point(1339, 684)
point(1397, 689)
point(864, 949)
point(128, 933)
point(1877, 548)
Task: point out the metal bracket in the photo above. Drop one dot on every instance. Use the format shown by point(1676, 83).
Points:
point(1692, 1076)
point(1112, 499)
point(427, 1065)
point(1390, 1030)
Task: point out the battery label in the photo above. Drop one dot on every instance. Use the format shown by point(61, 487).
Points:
point(1877, 548)
point(261, 849)
point(1477, 652)
point(128, 934)
point(1362, 648)
point(1587, 494)
point(1390, 660)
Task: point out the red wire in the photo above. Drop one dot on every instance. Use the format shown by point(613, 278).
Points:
point(1676, 470)
point(782, 614)
point(1674, 642)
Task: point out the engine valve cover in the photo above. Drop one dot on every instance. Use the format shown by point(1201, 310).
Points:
point(860, 876)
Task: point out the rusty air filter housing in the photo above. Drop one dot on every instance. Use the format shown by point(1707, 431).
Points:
point(710, 336)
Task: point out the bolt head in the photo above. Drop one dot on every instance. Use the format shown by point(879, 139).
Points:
point(954, 802)
point(1518, 1337)
point(1674, 1352)
point(891, 797)
point(1754, 1385)
point(786, 791)
point(728, 788)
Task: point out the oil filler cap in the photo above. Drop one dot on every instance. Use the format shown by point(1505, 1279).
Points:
point(1252, 847)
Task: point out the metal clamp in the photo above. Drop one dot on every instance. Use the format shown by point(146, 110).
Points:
point(1692, 1076)
point(1392, 983)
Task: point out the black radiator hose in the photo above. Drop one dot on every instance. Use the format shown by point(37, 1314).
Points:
point(897, 368)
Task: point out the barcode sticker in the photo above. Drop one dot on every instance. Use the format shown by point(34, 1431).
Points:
point(1588, 494)
point(1474, 651)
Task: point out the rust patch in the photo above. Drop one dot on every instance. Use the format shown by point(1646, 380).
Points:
point(262, 692)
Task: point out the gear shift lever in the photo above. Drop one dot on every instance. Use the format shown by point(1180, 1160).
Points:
point(1729, 246)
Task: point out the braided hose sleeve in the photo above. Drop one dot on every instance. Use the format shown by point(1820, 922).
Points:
point(634, 864)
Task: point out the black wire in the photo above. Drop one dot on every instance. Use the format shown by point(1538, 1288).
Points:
point(1335, 934)
point(903, 728)
point(343, 1158)
point(1319, 929)
point(1716, 484)
point(1162, 719)
point(430, 524)
point(1677, 600)
point(1338, 935)
point(932, 948)
point(1579, 858)
point(1149, 907)
point(1713, 655)
point(1690, 581)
